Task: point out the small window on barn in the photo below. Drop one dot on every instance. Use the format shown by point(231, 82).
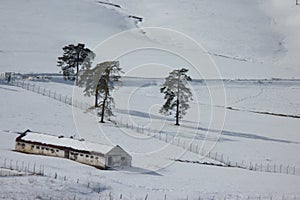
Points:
point(76, 154)
point(97, 158)
point(52, 151)
point(37, 147)
point(23, 145)
point(32, 146)
point(57, 150)
point(122, 158)
point(19, 143)
point(47, 149)
point(81, 154)
point(42, 148)
point(92, 156)
point(72, 153)
point(87, 156)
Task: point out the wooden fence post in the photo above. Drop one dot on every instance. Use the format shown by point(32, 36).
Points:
point(280, 168)
point(294, 170)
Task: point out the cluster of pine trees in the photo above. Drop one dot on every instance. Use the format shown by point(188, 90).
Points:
point(99, 81)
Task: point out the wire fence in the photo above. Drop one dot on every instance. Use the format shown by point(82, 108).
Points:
point(121, 196)
point(190, 144)
point(9, 167)
point(100, 190)
point(51, 94)
point(195, 146)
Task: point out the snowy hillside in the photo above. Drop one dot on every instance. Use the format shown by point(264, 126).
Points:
point(33, 32)
point(245, 39)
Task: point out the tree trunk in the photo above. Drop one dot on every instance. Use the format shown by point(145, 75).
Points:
point(106, 95)
point(177, 101)
point(96, 98)
point(77, 67)
point(177, 112)
point(97, 94)
point(103, 107)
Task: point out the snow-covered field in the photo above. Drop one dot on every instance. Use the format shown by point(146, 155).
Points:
point(251, 116)
point(246, 137)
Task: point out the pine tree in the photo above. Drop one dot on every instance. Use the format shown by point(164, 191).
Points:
point(177, 94)
point(74, 59)
point(100, 82)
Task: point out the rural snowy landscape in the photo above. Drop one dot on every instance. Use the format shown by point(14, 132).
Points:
point(237, 139)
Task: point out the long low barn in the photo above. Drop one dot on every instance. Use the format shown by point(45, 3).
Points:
point(99, 155)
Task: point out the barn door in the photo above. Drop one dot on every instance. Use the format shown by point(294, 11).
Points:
point(114, 161)
point(123, 161)
point(67, 154)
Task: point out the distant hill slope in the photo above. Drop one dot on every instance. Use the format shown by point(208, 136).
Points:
point(243, 39)
point(32, 33)
point(235, 28)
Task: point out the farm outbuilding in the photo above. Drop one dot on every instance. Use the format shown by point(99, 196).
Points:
point(102, 156)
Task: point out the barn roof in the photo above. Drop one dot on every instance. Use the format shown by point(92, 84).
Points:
point(65, 142)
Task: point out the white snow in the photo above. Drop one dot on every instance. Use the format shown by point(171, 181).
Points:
point(249, 137)
point(257, 40)
point(34, 31)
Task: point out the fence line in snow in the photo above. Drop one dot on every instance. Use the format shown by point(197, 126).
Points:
point(192, 146)
point(195, 146)
point(108, 195)
point(51, 94)
point(9, 167)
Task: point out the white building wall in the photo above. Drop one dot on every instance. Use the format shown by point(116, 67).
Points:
point(117, 157)
point(39, 149)
point(90, 159)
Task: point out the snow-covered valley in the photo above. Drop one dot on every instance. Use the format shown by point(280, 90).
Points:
point(239, 139)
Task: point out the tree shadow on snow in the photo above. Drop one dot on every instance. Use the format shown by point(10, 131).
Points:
point(247, 135)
